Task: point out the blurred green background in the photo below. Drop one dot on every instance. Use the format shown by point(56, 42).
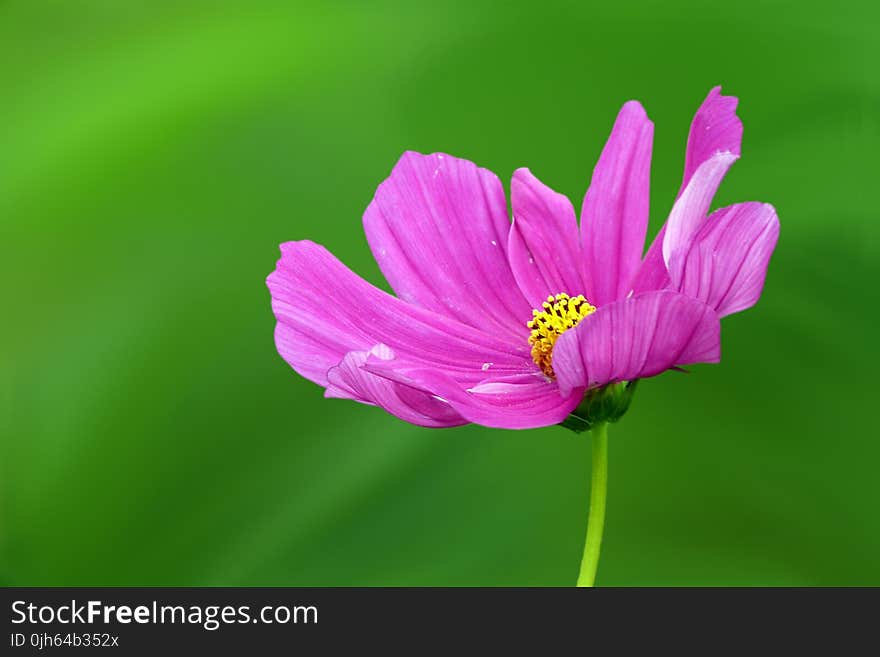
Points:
point(154, 154)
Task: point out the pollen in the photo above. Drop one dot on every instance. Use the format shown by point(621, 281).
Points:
point(558, 314)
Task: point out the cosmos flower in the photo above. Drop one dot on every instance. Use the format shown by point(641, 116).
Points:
point(512, 324)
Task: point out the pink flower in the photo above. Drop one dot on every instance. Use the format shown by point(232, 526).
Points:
point(510, 324)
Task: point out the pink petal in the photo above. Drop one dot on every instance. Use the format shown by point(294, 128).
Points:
point(517, 402)
point(614, 216)
point(691, 208)
point(544, 243)
point(324, 311)
point(726, 264)
point(637, 337)
point(715, 128)
point(521, 401)
point(438, 229)
point(414, 405)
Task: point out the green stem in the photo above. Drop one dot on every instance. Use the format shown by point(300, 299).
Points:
point(598, 493)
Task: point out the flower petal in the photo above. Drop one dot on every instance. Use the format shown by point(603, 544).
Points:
point(349, 380)
point(520, 401)
point(715, 128)
point(727, 262)
point(637, 337)
point(544, 244)
point(614, 216)
point(438, 229)
point(692, 207)
point(324, 311)
point(526, 401)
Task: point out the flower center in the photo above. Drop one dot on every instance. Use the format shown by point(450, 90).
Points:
point(558, 314)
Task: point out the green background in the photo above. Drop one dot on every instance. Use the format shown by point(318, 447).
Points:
point(153, 156)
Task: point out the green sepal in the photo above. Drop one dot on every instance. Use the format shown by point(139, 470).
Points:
point(606, 404)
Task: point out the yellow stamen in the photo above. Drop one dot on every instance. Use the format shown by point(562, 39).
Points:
point(559, 314)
